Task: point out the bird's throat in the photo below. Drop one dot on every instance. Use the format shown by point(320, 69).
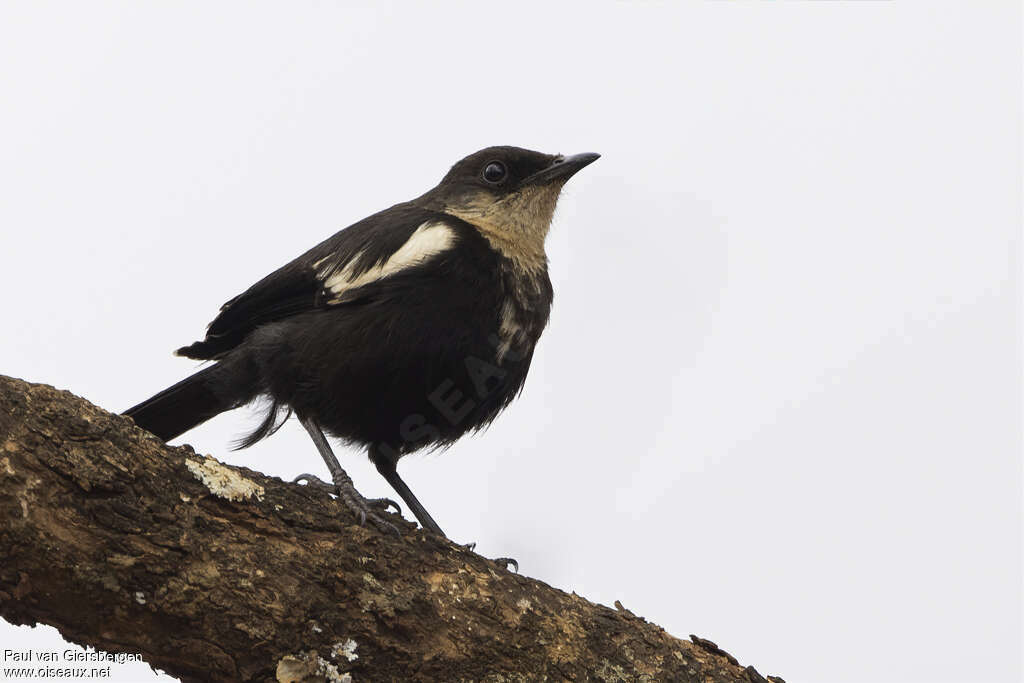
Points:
point(516, 226)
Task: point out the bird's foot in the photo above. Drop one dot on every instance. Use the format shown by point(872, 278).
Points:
point(507, 562)
point(503, 561)
point(363, 508)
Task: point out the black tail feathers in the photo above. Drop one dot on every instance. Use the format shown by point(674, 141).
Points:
point(179, 408)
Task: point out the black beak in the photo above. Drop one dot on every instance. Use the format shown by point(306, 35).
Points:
point(563, 168)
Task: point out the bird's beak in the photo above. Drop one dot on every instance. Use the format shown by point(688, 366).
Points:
point(563, 168)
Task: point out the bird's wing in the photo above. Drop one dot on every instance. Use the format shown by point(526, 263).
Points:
point(335, 272)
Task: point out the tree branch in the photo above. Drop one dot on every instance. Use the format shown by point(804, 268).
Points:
point(219, 573)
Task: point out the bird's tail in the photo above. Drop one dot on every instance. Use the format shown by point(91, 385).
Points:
point(179, 408)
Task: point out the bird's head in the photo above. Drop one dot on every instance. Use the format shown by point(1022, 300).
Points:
point(509, 195)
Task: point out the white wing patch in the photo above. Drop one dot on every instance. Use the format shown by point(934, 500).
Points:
point(430, 239)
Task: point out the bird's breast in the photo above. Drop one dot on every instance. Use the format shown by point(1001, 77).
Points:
point(524, 309)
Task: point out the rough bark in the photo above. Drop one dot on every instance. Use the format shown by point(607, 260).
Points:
point(218, 573)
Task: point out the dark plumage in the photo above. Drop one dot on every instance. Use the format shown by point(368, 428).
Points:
point(402, 331)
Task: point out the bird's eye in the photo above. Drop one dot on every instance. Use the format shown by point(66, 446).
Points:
point(495, 172)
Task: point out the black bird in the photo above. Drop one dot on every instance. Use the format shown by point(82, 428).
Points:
point(400, 332)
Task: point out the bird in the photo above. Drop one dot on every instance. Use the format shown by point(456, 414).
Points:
point(401, 332)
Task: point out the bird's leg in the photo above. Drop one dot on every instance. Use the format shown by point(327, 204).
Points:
point(389, 470)
point(343, 487)
point(388, 467)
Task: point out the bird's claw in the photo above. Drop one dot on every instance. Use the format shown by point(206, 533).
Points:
point(355, 502)
point(384, 504)
point(315, 482)
point(378, 522)
point(506, 561)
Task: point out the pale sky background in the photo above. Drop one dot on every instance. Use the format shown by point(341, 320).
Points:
point(778, 404)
